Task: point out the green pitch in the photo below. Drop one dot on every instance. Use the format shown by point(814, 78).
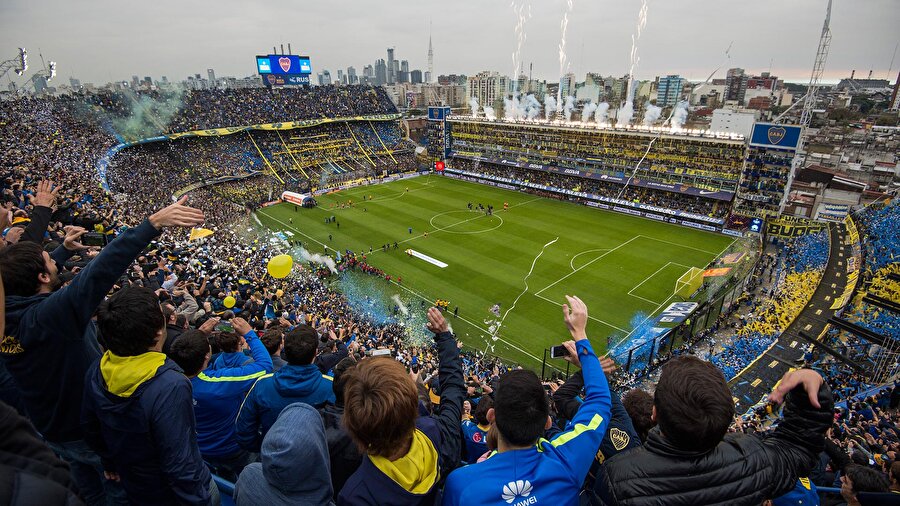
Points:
point(620, 265)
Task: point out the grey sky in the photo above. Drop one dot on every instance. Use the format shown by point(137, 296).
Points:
point(102, 40)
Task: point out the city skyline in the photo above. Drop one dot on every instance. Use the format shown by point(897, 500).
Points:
point(100, 44)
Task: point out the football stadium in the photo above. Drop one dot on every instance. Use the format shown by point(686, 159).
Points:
point(283, 293)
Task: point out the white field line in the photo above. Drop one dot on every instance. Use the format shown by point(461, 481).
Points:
point(598, 320)
point(648, 278)
point(585, 265)
point(572, 261)
point(679, 245)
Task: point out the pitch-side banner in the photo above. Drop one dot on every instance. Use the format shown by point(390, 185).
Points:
point(618, 179)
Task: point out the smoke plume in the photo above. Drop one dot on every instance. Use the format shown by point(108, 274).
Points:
point(549, 105)
point(602, 113)
point(651, 115)
point(626, 112)
point(587, 111)
point(570, 105)
point(489, 112)
point(318, 259)
point(679, 115)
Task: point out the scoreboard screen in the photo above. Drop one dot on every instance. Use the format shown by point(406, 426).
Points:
point(283, 64)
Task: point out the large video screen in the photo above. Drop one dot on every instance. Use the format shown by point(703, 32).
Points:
point(283, 64)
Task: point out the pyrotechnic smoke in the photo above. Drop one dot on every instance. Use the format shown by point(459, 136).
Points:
point(489, 112)
point(570, 105)
point(147, 117)
point(602, 113)
point(532, 106)
point(652, 114)
point(564, 26)
point(587, 111)
point(679, 115)
point(549, 105)
point(626, 112)
point(473, 105)
point(400, 305)
point(523, 14)
point(318, 259)
point(511, 108)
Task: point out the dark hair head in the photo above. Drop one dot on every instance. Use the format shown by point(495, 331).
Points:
point(693, 404)
point(272, 337)
point(480, 414)
point(380, 405)
point(130, 321)
point(21, 264)
point(866, 479)
point(521, 407)
point(895, 471)
point(229, 342)
point(639, 405)
point(168, 310)
point(340, 371)
point(300, 345)
point(189, 351)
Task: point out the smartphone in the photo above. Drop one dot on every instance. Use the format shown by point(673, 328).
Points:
point(224, 327)
point(559, 351)
point(93, 239)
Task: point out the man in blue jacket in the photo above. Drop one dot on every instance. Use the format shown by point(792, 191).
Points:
point(138, 414)
point(526, 469)
point(299, 381)
point(218, 394)
point(50, 342)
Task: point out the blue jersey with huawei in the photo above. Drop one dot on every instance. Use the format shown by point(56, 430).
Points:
point(551, 472)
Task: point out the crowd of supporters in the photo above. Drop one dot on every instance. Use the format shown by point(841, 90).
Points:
point(630, 194)
point(133, 372)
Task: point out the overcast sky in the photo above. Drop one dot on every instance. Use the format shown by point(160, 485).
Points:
point(102, 40)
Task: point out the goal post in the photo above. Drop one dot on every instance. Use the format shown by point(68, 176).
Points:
point(689, 282)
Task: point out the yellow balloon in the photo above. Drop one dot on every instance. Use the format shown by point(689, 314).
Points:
point(279, 293)
point(280, 266)
point(229, 302)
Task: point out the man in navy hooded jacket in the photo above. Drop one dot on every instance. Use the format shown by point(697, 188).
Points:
point(298, 381)
point(50, 342)
point(138, 413)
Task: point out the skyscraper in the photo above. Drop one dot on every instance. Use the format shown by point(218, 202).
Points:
point(669, 90)
point(212, 78)
point(403, 77)
point(391, 76)
point(351, 76)
point(415, 77)
point(430, 72)
point(736, 85)
point(380, 72)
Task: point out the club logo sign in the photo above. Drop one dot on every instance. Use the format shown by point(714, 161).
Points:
point(285, 63)
point(271, 79)
point(776, 134)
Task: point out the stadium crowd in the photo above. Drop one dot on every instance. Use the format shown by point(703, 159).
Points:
point(133, 371)
point(631, 194)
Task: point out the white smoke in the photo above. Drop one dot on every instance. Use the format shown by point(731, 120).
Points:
point(316, 258)
point(549, 105)
point(400, 305)
point(473, 104)
point(587, 111)
point(570, 105)
point(602, 113)
point(626, 112)
point(679, 115)
point(651, 115)
point(511, 108)
point(532, 106)
point(489, 112)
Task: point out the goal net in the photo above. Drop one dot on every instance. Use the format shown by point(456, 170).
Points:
point(689, 282)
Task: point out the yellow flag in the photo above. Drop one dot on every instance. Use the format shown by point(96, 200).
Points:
point(199, 233)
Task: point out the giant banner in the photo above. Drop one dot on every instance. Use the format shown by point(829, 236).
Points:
point(770, 135)
point(792, 226)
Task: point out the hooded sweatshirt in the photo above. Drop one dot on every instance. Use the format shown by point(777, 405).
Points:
point(294, 467)
point(50, 342)
point(272, 393)
point(138, 416)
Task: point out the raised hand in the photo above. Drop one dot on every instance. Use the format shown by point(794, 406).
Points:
point(71, 241)
point(46, 194)
point(177, 215)
point(811, 381)
point(436, 322)
point(575, 314)
point(241, 326)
